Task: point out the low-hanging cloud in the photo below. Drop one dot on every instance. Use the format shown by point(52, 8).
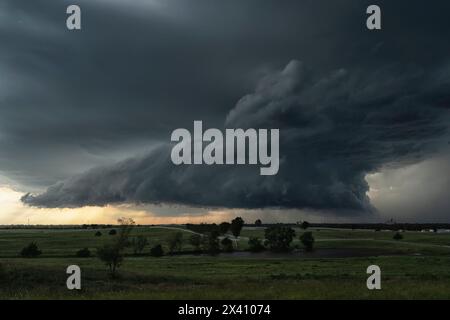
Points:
point(334, 129)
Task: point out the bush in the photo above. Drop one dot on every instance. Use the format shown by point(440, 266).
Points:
point(308, 240)
point(196, 241)
point(227, 245)
point(31, 251)
point(279, 238)
point(255, 245)
point(397, 236)
point(157, 251)
point(98, 234)
point(83, 253)
point(112, 232)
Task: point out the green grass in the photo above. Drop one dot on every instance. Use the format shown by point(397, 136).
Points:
point(404, 275)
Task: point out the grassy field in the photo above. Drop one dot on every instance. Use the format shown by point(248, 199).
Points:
point(417, 267)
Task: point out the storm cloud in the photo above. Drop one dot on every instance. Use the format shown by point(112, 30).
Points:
point(87, 115)
point(334, 130)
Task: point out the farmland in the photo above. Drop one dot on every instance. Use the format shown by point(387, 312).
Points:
point(416, 267)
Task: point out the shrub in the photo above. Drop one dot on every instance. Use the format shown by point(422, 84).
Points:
point(196, 240)
point(227, 245)
point(258, 222)
point(307, 240)
point(255, 245)
point(157, 251)
point(83, 253)
point(112, 232)
point(397, 236)
point(279, 238)
point(31, 251)
point(98, 234)
point(305, 225)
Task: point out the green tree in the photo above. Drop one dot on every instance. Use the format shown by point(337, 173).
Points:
point(305, 225)
point(224, 227)
point(210, 243)
point(112, 254)
point(236, 226)
point(258, 222)
point(307, 240)
point(279, 238)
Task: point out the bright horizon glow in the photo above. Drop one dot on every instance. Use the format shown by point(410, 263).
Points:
point(14, 212)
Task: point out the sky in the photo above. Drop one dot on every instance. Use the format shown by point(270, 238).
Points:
point(86, 116)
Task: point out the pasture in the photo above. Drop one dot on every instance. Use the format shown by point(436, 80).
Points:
point(416, 267)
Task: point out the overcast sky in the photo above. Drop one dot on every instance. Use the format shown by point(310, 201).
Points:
point(86, 116)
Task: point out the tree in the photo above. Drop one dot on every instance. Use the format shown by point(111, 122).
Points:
point(139, 244)
point(157, 251)
point(196, 241)
point(227, 244)
point(98, 234)
point(175, 242)
point(305, 225)
point(83, 253)
point(112, 232)
point(126, 225)
point(236, 226)
point(31, 251)
point(255, 245)
point(111, 254)
point(397, 236)
point(211, 243)
point(258, 222)
point(224, 227)
point(279, 238)
point(307, 240)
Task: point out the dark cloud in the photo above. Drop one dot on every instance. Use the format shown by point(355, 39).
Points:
point(334, 130)
point(72, 101)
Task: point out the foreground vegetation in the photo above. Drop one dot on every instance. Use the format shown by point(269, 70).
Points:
point(415, 267)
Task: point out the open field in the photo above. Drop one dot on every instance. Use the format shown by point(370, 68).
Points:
point(417, 267)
